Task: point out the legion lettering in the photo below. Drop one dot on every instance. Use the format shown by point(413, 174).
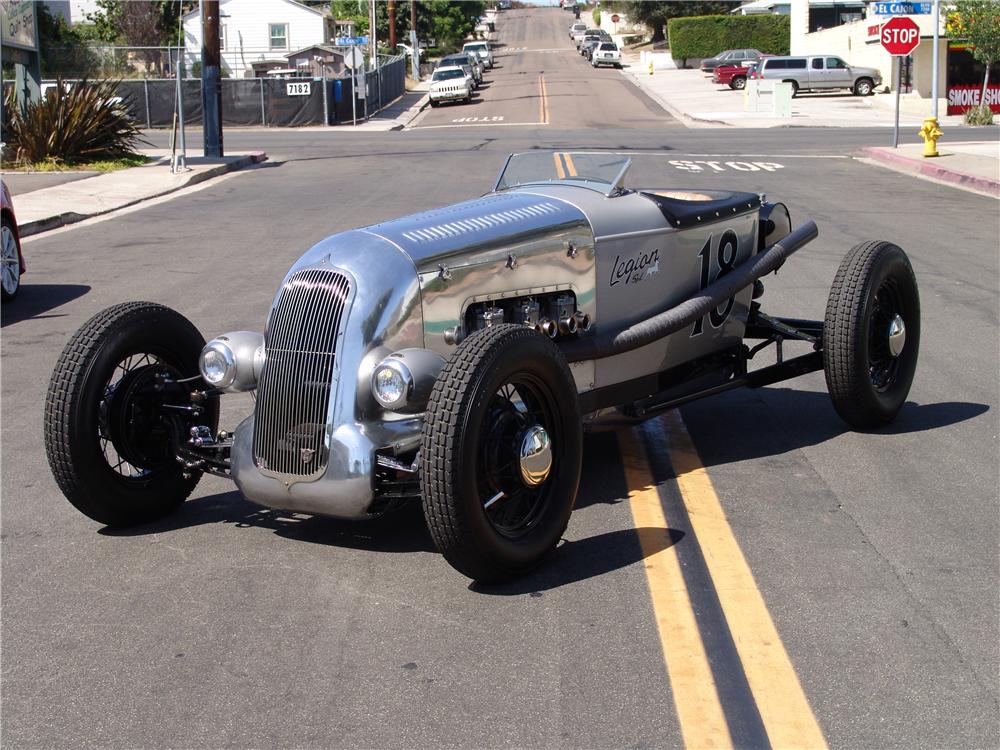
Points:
point(634, 270)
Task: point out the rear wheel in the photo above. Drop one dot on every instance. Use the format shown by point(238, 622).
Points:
point(864, 87)
point(871, 334)
point(501, 453)
point(738, 83)
point(110, 441)
point(10, 258)
point(795, 88)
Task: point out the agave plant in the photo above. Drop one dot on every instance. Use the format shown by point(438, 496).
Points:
point(79, 123)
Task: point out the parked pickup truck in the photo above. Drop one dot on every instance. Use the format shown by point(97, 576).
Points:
point(734, 76)
point(819, 73)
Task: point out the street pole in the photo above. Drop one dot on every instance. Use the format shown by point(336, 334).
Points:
point(899, 85)
point(391, 8)
point(180, 162)
point(934, 63)
point(211, 78)
point(415, 57)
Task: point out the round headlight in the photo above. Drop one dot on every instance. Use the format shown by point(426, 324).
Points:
point(218, 365)
point(392, 383)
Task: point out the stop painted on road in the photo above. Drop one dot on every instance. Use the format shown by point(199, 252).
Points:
point(723, 166)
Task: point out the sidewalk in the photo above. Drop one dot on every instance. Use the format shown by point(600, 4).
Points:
point(974, 165)
point(51, 207)
point(691, 97)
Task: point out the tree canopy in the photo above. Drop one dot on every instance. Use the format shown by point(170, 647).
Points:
point(654, 14)
point(448, 22)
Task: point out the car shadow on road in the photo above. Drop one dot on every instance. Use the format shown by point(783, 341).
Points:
point(775, 421)
point(403, 530)
point(35, 299)
point(587, 558)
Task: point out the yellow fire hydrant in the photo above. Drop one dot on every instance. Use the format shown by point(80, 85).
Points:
point(651, 67)
point(930, 132)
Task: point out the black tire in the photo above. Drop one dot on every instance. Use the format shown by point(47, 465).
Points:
point(867, 382)
point(472, 422)
point(864, 87)
point(434, 103)
point(795, 88)
point(738, 83)
point(10, 247)
point(109, 446)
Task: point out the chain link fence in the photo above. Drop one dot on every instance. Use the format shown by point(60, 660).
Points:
point(261, 101)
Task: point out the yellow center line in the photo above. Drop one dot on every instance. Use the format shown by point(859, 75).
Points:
point(560, 172)
point(699, 711)
point(570, 166)
point(543, 106)
point(782, 704)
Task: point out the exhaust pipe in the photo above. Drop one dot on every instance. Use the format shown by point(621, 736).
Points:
point(549, 327)
point(687, 312)
point(582, 321)
point(567, 326)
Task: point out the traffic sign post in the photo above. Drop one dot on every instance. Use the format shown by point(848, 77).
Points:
point(899, 36)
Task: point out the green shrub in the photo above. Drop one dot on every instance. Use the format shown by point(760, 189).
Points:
point(86, 123)
point(699, 37)
point(978, 116)
point(597, 17)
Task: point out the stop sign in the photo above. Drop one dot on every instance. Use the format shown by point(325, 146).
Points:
point(900, 35)
point(614, 18)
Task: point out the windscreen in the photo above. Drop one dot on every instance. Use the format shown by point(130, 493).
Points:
point(599, 171)
point(445, 75)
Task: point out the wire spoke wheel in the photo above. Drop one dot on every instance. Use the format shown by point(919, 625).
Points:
point(501, 453)
point(871, 334)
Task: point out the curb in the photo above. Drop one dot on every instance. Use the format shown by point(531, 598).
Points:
point(416, 109)
point(928, 168)
point(60, 220)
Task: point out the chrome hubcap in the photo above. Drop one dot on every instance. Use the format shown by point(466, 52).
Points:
point(535, 456)
point(897, 336)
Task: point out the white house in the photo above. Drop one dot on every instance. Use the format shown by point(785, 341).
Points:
point(73, 11)
point(259, 34)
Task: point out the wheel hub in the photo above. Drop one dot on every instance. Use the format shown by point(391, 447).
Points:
point(897, 336)
point(535, 456)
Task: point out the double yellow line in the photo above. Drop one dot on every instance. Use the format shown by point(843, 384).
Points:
point(784, 711)
point(543, 102)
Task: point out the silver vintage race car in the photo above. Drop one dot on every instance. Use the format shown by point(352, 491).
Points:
point(455, 357)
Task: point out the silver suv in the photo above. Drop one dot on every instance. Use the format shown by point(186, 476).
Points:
point(819, 73)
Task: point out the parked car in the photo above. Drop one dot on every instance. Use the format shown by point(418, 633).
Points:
point(735, 76)
point(10, 248)
point(607, 53)
point(450, 84)
point(733, 56)
point(482, 49)
point(578, 33)
point(460, 61)
point(589, 44)
point(588, 34)
point(819, 73)
point(577, 28)
point(466, 58)
point(428, 359)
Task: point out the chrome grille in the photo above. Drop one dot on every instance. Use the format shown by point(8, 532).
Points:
point(294, 390)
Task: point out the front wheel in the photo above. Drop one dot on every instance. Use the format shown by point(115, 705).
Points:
point(863, 87)
point(871, 334)
point(110, 440)
point(10, 257)
point(501, 453)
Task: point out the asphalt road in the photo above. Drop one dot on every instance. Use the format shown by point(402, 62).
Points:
point(869, 560)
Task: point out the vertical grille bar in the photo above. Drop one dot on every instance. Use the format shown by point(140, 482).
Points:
point(294, 389)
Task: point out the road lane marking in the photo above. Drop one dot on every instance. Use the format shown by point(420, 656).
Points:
point(570, 166)
point(560, 171)
point(543, 107)
point(696, 698)
point(719, 166)
point(784, 709)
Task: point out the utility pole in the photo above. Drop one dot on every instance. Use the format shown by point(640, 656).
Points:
point(392, 26)
point(415, 57)
point(211, 78)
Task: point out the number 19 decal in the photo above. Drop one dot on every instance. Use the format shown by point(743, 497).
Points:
point(725, 260)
